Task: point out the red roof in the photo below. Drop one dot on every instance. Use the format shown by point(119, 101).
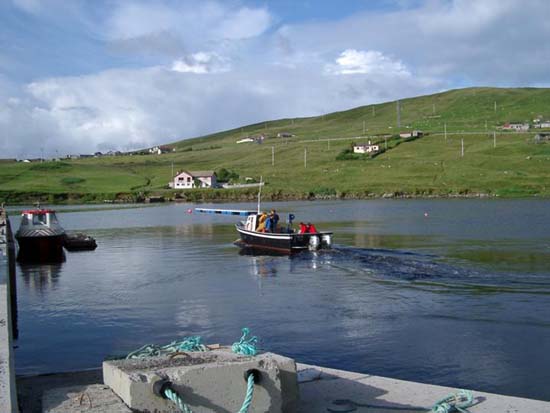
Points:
point(38, 211)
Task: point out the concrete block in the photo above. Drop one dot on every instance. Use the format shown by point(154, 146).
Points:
point(212, 381)
point(94, 398)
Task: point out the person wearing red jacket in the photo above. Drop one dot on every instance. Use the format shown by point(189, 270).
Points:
point(311, 228)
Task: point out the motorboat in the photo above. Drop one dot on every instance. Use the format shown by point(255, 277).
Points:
point(79, 242)
point(40, 236)
point(283, 239)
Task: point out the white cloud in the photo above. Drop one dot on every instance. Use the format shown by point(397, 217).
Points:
point(368, 62)
point(202, 62)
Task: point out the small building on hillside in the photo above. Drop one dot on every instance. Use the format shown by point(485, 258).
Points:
point(245, 140)
point(159, 150)
point(194, 179)
point(412, 134)
point(366, 148)
point(542, 124)
point(518, 127)
point(542, 137)
point(285, 135)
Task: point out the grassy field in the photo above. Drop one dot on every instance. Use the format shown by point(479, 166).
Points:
point(429, 166)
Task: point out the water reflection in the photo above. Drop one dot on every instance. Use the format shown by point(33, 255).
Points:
point(40, 277)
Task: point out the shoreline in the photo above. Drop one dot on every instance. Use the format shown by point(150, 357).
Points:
point(208, 196)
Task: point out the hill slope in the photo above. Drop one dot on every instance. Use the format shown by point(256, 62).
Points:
point(305, 165)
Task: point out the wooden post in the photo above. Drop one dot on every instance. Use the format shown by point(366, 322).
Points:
point(445, 126)
point(273, 156)
point(494, 139)
point(462, 150)
point(305, 157)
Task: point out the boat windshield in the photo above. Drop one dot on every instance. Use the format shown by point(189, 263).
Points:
point(39, 219)
point(53, 218)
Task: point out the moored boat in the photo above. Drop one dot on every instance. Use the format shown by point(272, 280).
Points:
point(79, 242)
point(40, 236)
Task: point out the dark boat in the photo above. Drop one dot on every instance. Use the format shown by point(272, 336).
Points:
point(40, 237)
point(79, 242)
point(284, 240)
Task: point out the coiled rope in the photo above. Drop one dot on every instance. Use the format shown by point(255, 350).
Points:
point(458, 401)
point(192, 343)
point(245, 347)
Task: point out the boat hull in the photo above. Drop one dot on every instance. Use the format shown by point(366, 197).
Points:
point(41, 248)
point(280, 242)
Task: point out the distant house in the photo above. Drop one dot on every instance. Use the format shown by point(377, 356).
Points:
point(194, 179)
point(159, 150)
point(245, 140)
point(518, 127)
point(542, 124)
point(98, 154)
point(85, 155)
point(368, 148)
point(285, 135)
point(412, 134)
point(542, 137)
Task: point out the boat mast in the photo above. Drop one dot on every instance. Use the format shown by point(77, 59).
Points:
point(259, 195)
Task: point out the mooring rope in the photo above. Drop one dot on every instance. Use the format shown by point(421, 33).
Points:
point(245, 347)
point(458, 401)
point(192, 343)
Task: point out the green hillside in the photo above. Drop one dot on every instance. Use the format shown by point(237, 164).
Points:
point(428, 166)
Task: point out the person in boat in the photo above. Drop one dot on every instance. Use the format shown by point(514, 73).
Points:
point(261, 222)
point(303, 228)
point(310, 228)
point(269, 224)
point(274, 220)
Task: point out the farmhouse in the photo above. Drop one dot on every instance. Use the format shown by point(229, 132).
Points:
point(245, 140)
point(194, 179)
point(368, 148)
point(412, 134)
point(542, 124)
point(518, 127)
point(285, 135)
point(159, 150)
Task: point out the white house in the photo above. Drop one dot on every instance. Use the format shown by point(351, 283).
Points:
point(245, 140)
point(518, 127)
point(413, 134)
point(159, 150)
point(368, 148)
point(194, 179)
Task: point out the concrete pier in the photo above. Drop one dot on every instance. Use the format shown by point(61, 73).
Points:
point(8, 393)
point(321, 390)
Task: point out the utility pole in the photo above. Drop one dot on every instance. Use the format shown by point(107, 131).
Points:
point(172, 169)
point(364, 127)
point(462, 150)
point(273, 156)
point(305, 157)
point(495, 106)
point(494, 139)
point(445, 126)
point(398, 114)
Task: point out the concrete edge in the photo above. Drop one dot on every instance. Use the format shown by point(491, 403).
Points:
point(8, 389)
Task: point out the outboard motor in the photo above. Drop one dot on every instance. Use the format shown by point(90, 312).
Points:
point(314, 242)
point(326, 241)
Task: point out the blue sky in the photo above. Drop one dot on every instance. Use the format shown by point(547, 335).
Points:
point(82, 76)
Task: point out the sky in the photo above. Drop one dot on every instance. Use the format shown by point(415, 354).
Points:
point(80, 76)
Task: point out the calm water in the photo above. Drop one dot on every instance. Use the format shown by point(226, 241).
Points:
point(460, 297)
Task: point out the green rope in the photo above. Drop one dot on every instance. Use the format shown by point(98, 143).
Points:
point(152, 350)
point(246, 347)
point(176, 399)
point(249, 394)
point(459, 402)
